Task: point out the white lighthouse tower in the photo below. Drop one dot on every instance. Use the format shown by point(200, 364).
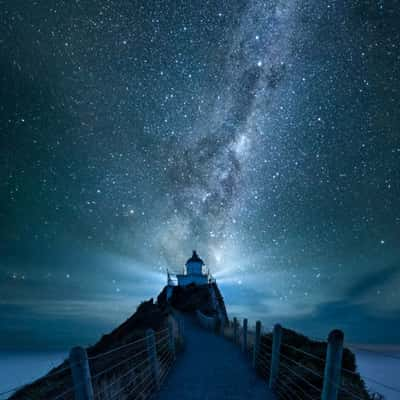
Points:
point(194, 272)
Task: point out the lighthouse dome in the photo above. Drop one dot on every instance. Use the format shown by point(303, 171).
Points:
point(195, 264)
point(195, 259)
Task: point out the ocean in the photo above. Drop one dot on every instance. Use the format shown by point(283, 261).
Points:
point(19, 368)
point(383, 367)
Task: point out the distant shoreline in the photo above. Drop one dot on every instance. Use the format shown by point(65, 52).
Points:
point(378, 348)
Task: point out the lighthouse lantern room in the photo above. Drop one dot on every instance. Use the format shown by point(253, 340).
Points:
point(194, 272)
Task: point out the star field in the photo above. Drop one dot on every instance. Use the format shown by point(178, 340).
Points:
point(263, 134)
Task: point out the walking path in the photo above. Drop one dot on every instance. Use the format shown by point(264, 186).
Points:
point(212, 368)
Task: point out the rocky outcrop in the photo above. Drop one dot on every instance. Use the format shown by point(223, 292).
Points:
point(204, 298)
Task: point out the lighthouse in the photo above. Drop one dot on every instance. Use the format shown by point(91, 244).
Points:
point(197, 277)
point(194, 272)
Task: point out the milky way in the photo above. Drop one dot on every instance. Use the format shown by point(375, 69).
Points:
point(208, 173)
point(262, 134)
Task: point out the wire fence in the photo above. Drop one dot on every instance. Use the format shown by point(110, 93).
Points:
point(134, 370)
point(301, 374)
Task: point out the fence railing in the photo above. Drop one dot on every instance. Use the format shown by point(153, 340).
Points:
point(298, 373)
point(138, 369)
point(132, 370)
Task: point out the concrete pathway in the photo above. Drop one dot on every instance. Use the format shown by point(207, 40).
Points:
point(211, 368)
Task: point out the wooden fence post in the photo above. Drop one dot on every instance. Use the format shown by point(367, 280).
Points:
point(244, 339)
point(257, 341)
point(333, 365)
point(78, 361)
point(152, 352)
point(171, 338)
point(276, 348)
point(235, 330)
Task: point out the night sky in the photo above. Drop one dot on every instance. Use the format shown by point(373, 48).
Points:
point(264, 134)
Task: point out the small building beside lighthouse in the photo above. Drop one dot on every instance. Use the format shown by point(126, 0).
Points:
point(194, 272)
